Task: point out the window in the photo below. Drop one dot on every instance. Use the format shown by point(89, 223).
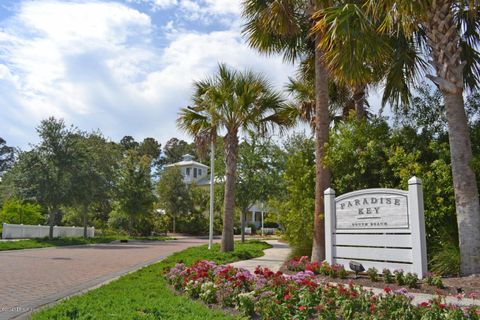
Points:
point(194, 172)
point(200, 172)
point(187, 171)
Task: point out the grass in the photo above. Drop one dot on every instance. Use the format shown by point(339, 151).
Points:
point(145, 294)
point(59, 242)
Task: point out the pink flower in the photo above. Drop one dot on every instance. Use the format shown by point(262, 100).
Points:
point(474, 295)
point(460, 296)
point(301, 308)
point(287, 297)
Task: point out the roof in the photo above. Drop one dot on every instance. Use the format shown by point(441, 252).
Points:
point(186, 163)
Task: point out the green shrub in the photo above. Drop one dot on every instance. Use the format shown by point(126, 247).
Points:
point(372, 274)
point(445, 259)
point(387, 276)
point(399, 277)
point(270, 224)
point(342, 273)
point(17, 212)
point(411, 280)
point(434, 280)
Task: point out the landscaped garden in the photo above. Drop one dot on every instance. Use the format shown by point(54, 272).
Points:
point(145, 294)
point(303, 295)
point(352, 59)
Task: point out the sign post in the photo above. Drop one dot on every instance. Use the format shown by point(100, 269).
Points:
point(381, 228)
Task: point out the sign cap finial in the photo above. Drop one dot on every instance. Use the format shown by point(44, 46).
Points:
point(329, 191)
point(414, 180)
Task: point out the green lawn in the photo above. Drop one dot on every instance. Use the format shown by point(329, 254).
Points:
point(58, 242)
point(144, 294)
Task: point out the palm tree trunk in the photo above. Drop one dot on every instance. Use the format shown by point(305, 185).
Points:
point(444, 41)
point(322, 181)
point(231, 150)
point(464, 184)
point(359, 100)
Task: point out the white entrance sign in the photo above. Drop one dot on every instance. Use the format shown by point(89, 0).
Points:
point(381, 228)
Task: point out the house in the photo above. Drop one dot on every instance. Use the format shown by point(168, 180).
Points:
point(192, 171)
point(197, 173)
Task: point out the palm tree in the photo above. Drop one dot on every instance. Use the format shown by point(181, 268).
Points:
point(451, 31)
point(230, 102)
point(283, 26)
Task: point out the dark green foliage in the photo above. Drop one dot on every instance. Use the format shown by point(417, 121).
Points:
point(173, 195)
point(7, 156)
point(175, 149)
point(16, 212)
point(195, 221)
point(134, 195)
point(371, 154)
point(145, 294)
point(446, 258)
point(259, 170)
point(295, 209)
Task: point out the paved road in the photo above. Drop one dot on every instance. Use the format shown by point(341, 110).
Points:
point(32, 278)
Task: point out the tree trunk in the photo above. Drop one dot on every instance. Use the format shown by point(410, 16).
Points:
point(359, 100)
point(85, 221)
point(322, 179)
point(444, 41)
point(242, 225)
point(173, 223)
point(231, 150)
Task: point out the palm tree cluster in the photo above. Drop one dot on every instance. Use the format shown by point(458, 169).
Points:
point(343, 49)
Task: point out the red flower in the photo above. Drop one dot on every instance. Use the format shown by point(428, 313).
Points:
point(442, 306)
point(387, 289)
point(424, 304)
point(372, 308)
point(287, 297)
point(301, 308)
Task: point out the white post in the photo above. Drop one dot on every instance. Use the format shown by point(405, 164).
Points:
point(262, 223)
point(4, 233)
point(417, 221)
point(329, 201)
point(212, 185)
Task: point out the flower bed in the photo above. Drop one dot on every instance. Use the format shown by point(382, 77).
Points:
point(269, 295)
point(432, 284)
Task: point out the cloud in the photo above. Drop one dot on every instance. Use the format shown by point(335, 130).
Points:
point(99, 65)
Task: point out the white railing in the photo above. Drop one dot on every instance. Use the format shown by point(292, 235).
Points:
point(266, 231)
point(20, 231)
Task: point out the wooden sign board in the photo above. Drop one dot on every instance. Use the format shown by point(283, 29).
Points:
point(379, 210)
point(381, 228)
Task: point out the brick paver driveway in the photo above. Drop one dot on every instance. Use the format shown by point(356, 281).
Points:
point(32, 278)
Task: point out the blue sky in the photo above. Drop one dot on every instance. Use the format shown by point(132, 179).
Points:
point(124, 67)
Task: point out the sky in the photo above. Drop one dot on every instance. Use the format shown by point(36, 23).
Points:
point(124, 67)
